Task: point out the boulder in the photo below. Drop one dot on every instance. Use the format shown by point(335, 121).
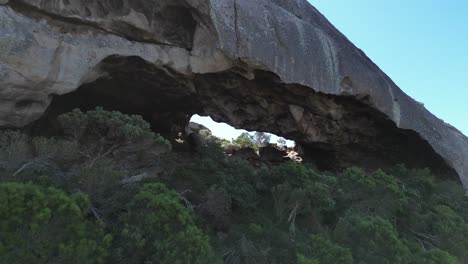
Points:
point(264, 65)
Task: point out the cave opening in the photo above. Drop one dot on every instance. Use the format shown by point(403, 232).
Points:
point(133, 86)
point(227, 132)
point(332, 132)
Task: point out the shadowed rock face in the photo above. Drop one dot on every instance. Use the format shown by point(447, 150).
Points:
point(266, 65)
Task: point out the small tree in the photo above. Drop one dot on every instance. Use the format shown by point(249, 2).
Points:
point(245, 140)
point(103, 184)
point(448, 230)
point(375, 192)
point(110, 133)
point(301, 259)
point(159, 229)
point(288, 203)
point(324, 251)
point(261, 138)
point(15, 150)
point(435, 256)
point(255, 140)
point(371, 239)
point(44, 225)
point(317, 186)
point(237, 178)
point(282, 142)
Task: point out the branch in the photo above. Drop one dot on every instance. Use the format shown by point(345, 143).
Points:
point(186, 191)
point(100, 156)
point(134, 179)
point(187, 202)
point(96, 215)
point(431, 237)
point(421, 243)
point(31, 163)
point(23, 167)
point(292, 219)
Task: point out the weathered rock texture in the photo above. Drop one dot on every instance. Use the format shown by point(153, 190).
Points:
point(269, 65)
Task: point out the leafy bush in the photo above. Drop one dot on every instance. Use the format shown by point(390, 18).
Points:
point(217, 207)
point(102, 183)
point(238, 179)
point(158, 229)
point(371, 239)
point(245, 140)
point(447, 230)
point(202, 172)
point(435, 215)
point(288, 213)
point(287, 201)
point(109, 133)
point(377, 192)
point(301, 259)
point(61, 151)
point(15, 150)
point(324, 251)
point(303, 186)
point(435, 256)
point(44, 225)
point(243, 251)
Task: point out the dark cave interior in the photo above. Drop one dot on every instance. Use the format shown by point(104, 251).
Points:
point(331, 132)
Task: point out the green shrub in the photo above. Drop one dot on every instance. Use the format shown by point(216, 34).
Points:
point(421, 180)
point(371, 239)
point(256, 230)
point(435, 215)
point(101, 182)
point(301, 259)
point(255, 215)
point(15, 150)
point(242, 251)
point(217, 207)
point(101, 133)
point(61, 151)
point(238, 179)
point(200, 173)
point(252, 140)
point(245, 140)
point(448, 230)
point(324, 251)
point(159, 229)
point(44, 225)
point(435, 256)
point(370, 193)
point(317, 187)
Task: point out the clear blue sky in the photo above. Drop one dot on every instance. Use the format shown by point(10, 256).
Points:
point(421, 44)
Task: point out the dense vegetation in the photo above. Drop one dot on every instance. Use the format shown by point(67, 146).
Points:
point(106, 189)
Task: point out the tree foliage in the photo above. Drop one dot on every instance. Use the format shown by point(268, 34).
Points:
point(44, 225)
point(321, 250)
point(371, 239)
point(110, 133)
point(252, 140)
point(63, 196)
point(158, 229)
point(435, 256)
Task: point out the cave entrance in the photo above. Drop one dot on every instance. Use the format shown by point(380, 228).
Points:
point(332, 132)
point(133, 86)
point(257, 147)
point(230, 133)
